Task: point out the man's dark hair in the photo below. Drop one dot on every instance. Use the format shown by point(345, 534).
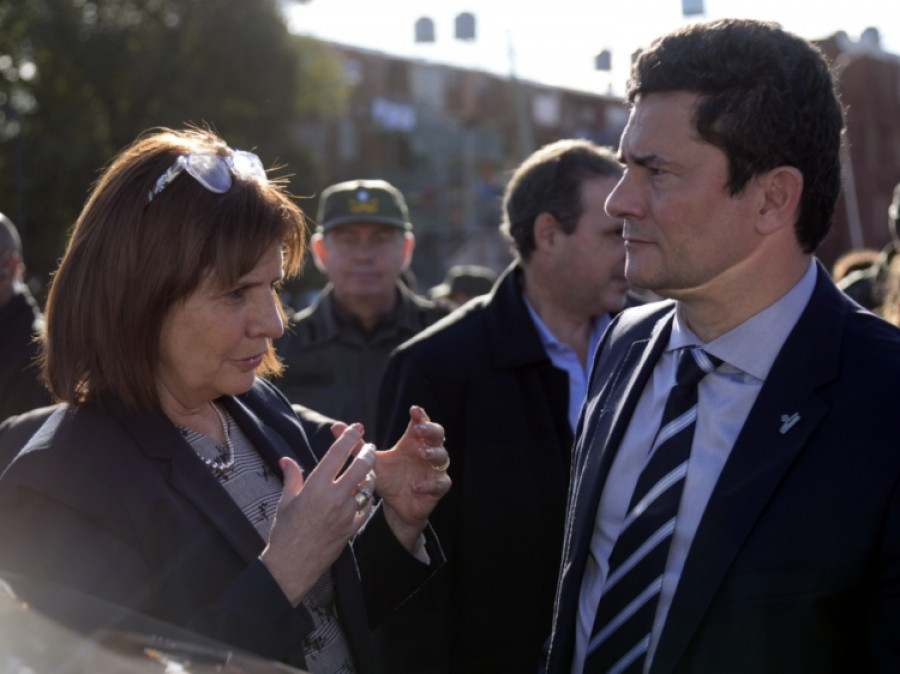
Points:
point(767, 99)
point(549, 181)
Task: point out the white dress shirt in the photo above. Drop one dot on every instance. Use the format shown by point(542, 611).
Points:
point(725, 398)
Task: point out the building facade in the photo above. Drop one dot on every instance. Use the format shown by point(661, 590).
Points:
point(448, 138)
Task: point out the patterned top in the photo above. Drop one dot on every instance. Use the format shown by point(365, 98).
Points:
point(256, 489)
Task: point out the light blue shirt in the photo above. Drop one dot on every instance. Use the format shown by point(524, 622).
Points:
point(564, 357)
point(724, 401)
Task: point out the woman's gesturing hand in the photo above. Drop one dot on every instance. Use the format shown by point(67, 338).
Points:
point(319, 514)
point(412, 476)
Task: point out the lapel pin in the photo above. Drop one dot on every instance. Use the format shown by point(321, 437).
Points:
point(787, 422)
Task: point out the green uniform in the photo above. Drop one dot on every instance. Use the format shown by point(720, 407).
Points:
point(334, 366)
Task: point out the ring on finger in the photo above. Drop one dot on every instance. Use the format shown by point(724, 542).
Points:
point(362, 496)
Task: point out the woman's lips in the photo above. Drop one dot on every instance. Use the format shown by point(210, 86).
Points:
point(248, 364)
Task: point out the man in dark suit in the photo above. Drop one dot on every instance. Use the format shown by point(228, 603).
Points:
point(506, 375)
point(776, 537)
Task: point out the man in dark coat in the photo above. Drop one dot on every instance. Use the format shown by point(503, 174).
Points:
point(505, 374)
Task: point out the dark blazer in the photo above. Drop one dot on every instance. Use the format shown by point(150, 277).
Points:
point(795, 566)
point(115, 504)
point(16, 431)
point(483, 374)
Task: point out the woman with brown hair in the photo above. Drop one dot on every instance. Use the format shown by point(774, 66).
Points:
point(176, 481)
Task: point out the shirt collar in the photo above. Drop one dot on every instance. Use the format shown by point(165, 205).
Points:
point(551, 343)
point(753, 345)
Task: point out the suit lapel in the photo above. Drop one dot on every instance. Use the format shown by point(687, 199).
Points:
point(618, 380)
point(271, 444)
point(158, 438)
point(607, 417)
point(784, 416)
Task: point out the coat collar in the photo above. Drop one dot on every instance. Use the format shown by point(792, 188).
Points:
point(508, 309)
point(159, 439)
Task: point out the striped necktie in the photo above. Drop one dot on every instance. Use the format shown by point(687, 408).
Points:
point(621, 633)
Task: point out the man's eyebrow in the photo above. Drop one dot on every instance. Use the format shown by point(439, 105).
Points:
point(646, 159)
point(642, 160)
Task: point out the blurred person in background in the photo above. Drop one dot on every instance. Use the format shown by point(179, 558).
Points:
point(175, 480)
point(853, 260)
point(335, 351)
point(462, 283)
point(867, 285)
point(890, 305)
point(20, 326)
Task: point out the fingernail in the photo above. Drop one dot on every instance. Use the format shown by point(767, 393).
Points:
point(367, 451)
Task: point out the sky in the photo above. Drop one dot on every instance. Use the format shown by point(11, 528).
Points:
point(555, 41)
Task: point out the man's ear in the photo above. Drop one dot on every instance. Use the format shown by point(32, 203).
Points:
point(319, 251)
point(546, 229)
point(782, 188)
point(409, 245)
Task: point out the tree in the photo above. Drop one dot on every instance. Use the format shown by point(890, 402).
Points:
point(105, 70)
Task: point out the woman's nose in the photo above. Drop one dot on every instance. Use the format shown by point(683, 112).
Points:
point(268, 321)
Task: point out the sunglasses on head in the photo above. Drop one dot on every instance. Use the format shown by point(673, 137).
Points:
point(213, 171)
